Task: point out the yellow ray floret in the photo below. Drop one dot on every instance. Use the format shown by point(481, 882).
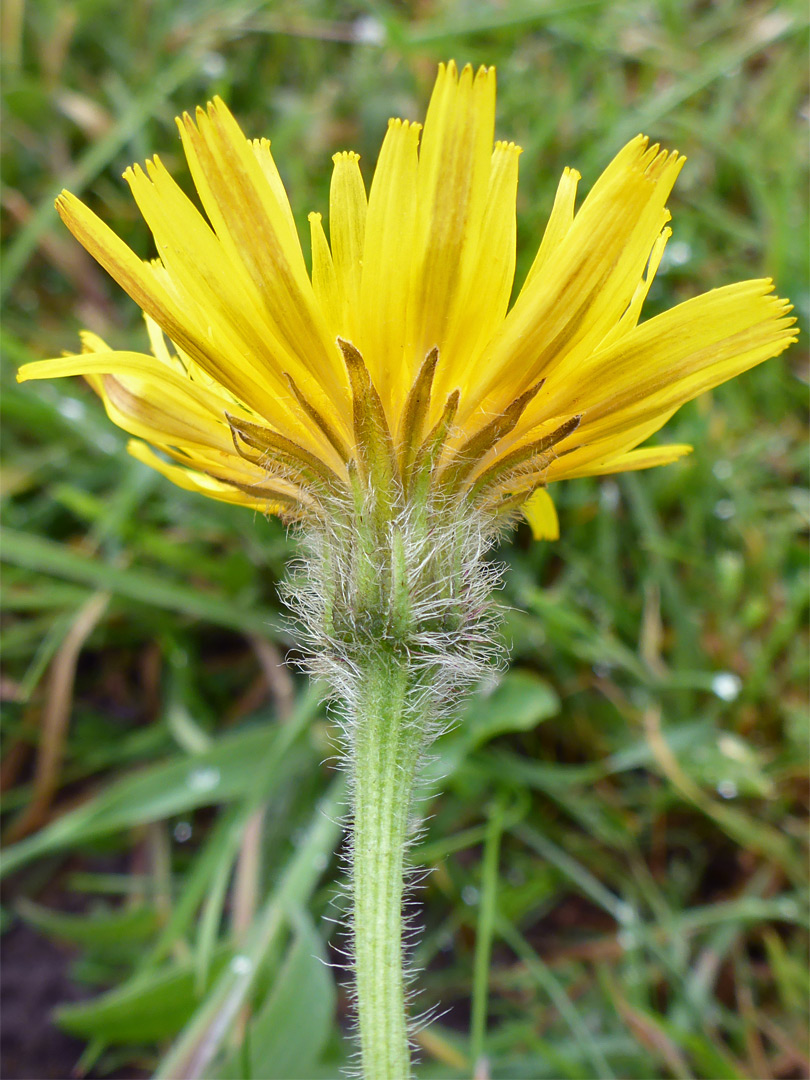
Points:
point(396, 363)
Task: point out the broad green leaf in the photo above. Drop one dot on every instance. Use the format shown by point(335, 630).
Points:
point(98, 929)
point(731, 766)
point(156, 1007)
point(290, 1030)
point(518, 702)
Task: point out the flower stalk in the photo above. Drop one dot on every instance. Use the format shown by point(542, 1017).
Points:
point(387, 746)
point(391, 597)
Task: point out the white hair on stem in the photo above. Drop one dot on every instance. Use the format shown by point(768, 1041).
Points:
point(414, 590)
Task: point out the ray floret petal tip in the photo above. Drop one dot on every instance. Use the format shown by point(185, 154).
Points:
point(396, 360)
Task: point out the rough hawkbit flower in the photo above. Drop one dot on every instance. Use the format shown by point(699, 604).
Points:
point(399, 354)
point(394, 404)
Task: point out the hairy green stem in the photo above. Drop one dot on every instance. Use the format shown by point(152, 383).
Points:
point(392, 600)
point(387, 745)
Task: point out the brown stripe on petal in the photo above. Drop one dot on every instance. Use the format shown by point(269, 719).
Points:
point(258, 233)
point(285, 506)
point(520, 460)
point(229, 365)
point(149, 416)
point(473, 450)
point(332, 435)
point(278, 452)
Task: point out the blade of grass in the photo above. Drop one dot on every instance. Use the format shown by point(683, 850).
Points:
point(48, 557)
point(551, 985)
point(97, 156)
point(484, 932)
point(55, 717)
point(195, 1048)
point(171, 787)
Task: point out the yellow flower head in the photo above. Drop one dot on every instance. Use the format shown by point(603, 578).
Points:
point(397, 362)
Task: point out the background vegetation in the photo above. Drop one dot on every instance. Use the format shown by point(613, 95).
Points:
point(617, 886)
